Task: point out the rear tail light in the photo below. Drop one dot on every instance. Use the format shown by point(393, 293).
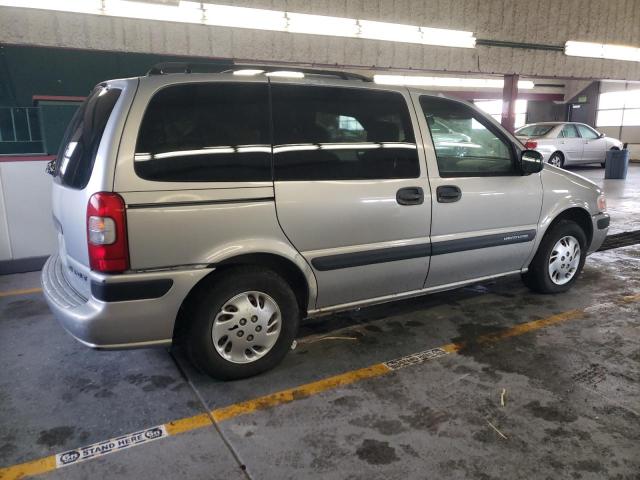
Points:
point(107, 233)
point(530, 144)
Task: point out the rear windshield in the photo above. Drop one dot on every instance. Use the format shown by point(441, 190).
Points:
point(534, 130)
point(82, 138)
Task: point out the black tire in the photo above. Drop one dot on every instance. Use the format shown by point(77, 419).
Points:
point(211, 298)
point(537, 277)
point(559, 157)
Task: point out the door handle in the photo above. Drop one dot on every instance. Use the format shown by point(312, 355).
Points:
point(448, 193)
point(410, 196)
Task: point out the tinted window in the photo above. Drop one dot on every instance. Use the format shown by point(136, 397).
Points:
point(534, 130)
point(569, 131)
point(201, 132)
point(586, 132)
point(470, 145)
point(81, 141)
point(331, 133)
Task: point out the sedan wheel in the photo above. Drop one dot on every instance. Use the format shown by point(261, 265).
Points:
point(556, 160)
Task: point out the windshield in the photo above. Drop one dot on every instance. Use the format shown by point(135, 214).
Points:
point(81, 140)
point(534, 130)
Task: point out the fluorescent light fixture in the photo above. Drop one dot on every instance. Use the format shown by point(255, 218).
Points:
point(321, 25)
point(411, 80)
point(285, 74)
point(602, 50)
point(396, 32)
point(389, 32)
point(247, 72)
point(242, 17)
point(187, 12)
point(257, 18)
point(76, 6)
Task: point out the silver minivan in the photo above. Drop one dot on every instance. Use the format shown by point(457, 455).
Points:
point(219, 209)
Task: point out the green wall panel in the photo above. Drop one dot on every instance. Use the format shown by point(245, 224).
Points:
point(27, 71)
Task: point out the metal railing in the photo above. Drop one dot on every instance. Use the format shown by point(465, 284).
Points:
point(20, 124)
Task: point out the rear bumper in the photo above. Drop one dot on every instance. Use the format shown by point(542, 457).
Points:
point(123, 311)
point(600, 229)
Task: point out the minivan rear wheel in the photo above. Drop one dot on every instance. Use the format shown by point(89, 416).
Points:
point(243, 323)
point(559, 259)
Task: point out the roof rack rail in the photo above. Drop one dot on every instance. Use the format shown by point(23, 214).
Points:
point(227, 67)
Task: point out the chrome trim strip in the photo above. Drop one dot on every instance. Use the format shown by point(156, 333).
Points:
point(199, 202)
point(402, 295)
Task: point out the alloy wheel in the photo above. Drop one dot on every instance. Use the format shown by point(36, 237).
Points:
point(247, 327)
point(564, 260)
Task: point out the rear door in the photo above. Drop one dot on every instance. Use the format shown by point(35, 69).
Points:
point(571, 143)
point(485, 212)
point(351, 188)
point(594, 146)
point(81, 170)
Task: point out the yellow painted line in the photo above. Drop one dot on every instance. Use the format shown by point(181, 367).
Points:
point(247, 407)
point(296, 393)
point(24, 291)
point(186, 424)
point(28, 469)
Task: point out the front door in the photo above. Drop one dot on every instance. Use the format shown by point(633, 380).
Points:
point(594, 146)
point(351, 188)
point(485, 212)
point(571, 143)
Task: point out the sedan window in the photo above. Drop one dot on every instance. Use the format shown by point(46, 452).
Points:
point(532, 131)
point(587, 132)
point(569, 131)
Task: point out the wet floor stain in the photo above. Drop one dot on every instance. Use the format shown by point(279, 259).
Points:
point(55, 437)
point(375, 452)
point(426, 418)
point(552, 412)
point(25, 308)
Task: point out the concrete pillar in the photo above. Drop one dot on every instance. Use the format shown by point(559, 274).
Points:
point(509, 96)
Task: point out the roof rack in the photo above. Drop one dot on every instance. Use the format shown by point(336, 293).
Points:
point(228, 67)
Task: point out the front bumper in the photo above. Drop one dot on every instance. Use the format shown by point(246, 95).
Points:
point(600, 229)
point(124, 311)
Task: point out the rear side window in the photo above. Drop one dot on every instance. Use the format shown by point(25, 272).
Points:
point(81, 140)
point(569, 131)
point(206, 132)
point(333, 133)
point(467, 144)
point(532, 131)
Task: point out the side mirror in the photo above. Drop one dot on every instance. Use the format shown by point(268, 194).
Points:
point(602, 135)
point(531, 161)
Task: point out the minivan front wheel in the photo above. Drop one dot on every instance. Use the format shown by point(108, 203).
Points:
point(559, 259)
point(243, 323)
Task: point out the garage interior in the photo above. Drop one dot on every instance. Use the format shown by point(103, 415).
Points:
point(489, 381)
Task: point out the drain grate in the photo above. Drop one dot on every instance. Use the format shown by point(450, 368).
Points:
point(618, 240)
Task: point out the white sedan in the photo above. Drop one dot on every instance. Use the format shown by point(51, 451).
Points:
point(567, 143)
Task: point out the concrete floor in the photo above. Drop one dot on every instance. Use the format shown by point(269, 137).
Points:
point(572, 390)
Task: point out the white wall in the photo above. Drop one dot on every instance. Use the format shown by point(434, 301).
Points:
point(26, 227)
point(5, 244)
point(626, 134)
